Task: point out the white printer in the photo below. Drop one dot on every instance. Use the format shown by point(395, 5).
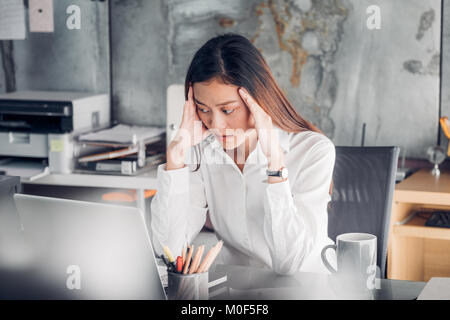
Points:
point(45, 124)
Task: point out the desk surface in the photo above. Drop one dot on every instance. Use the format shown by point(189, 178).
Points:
point(423, 187)
point(145, 180)
point(256, 283)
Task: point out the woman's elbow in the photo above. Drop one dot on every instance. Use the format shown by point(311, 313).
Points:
point(287, 267)
point(285, 272)
point(292, 263)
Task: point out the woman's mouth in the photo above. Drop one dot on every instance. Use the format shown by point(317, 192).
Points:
point(225, 137)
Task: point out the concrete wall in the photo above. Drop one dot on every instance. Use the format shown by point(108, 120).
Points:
point(66, 59)
point(2, 79)
point(140, 62)
point(389, 78)
point(336, 72)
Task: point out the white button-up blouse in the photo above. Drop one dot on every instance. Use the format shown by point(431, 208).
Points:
point(282, 226)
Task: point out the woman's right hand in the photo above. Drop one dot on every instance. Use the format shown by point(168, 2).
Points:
point(191, 132)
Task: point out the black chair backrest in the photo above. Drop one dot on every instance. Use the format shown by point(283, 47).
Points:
point(363, 188)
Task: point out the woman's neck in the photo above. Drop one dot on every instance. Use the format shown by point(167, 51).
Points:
point(242, 152)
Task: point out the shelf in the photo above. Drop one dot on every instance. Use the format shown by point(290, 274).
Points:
point(424, 188)
point(417, 252)
point(422, 197)
point(145, 180)
point(415, 228)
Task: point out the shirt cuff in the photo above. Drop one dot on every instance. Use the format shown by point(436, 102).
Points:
point(279, 188)
point(174, 181)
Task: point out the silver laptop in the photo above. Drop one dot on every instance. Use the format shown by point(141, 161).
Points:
point(85, 250)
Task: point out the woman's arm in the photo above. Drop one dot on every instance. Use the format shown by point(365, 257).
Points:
point(295, 221)
point(178, 209)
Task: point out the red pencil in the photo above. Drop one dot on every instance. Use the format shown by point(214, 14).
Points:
point(179, 264)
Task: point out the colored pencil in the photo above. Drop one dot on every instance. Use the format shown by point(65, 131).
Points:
point(196, 260)
point(188, 259)
point(217, 249)
point(205, 260)
point(183, 255)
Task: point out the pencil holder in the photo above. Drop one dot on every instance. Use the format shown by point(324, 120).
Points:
point(188, 286)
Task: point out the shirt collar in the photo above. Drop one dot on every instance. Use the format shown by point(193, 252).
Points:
point(283, 137)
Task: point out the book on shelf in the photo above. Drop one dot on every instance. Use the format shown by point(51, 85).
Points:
point(123, 166)
point(109, 154)
point(123, 134)
point(123, 149)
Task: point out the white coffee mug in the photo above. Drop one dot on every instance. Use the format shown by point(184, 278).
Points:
point(356, 254)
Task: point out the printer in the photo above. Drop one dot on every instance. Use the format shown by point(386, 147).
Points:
point(44, 125)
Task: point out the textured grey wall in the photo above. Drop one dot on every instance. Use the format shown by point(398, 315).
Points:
point(2, 80)
point(66, 59)
point(376, 82)
point(335, 71)
point(140, 46)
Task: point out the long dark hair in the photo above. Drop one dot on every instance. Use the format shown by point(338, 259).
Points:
point(234, 60)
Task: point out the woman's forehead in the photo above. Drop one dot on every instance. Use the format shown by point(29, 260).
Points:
point(215, 92)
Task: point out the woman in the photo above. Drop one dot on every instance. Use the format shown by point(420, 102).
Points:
point(266, 215)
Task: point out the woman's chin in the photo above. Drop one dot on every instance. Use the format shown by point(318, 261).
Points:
point(228, 145)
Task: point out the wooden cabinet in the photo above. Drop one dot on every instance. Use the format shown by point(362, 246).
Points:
point(417, 252)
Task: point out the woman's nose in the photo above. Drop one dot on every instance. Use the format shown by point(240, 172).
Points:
point(218, 123)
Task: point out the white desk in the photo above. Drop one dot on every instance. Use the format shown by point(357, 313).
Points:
point(256, 283)
point(140, 183)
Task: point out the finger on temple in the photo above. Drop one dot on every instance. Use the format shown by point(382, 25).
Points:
point(247, 98)
point(190, 93)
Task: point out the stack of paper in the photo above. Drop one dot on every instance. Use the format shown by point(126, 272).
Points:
point(125, 134)
point(126, 150)
point(12, 20)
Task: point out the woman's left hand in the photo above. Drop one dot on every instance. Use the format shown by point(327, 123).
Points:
point(267, 135)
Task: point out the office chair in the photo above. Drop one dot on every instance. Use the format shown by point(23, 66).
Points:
point(363, 187)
